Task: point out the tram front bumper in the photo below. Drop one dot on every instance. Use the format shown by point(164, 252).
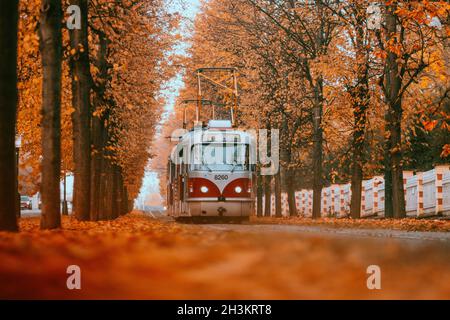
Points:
point(220, 209)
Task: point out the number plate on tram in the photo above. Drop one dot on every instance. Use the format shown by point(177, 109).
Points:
point(221, 177)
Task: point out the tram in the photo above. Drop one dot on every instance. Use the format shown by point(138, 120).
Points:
point(211, 170)
point(211, 175)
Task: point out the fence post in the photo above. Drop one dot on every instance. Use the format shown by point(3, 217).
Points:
point(284, 205)
point(419, 194)
point(297, 202)
point(310, 196)
point(272, 205)
point(303, 202)
point(406, 176)
point(363, 199)
point(341, 201)
point(332, 199)
point(376, 183)
point(324, 202)
point(439, 188)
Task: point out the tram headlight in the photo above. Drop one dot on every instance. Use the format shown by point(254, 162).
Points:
point(238, 189)
point(204, 189)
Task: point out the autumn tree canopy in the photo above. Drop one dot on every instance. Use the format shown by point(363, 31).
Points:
point(323, 75)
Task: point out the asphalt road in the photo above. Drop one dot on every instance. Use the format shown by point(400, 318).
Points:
point(323, 231)
point(335, 233)
point(412, 236)
point(30, 213)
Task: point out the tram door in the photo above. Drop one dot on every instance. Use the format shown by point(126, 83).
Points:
point(183, 187)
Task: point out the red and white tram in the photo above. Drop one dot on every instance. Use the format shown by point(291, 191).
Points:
point(211, 175)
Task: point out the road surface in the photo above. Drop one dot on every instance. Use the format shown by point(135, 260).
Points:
point(30, 213)
point(331, 233)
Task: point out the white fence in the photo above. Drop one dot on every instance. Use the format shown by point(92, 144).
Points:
point(426, 193)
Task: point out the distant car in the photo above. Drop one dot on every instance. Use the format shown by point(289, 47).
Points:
point(25, 203)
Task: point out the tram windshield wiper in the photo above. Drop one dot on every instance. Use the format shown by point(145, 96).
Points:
point(207, 166)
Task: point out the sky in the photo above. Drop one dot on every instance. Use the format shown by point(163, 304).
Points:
point(188, 9)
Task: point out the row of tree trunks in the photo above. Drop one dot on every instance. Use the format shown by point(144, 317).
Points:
point(51, 52)
point(81, 89)
point(8, 106)
point(263, 208)
point(106, 184)
point(110, 192)
point(109, 198)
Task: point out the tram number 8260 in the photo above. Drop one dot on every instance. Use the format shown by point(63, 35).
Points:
point(221, 177)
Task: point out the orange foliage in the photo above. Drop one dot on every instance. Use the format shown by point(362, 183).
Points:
point(388, 224)
point(140, 37)
point(136, 257)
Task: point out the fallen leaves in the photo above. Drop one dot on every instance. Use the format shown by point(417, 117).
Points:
point(408, 224)
point(136, 257)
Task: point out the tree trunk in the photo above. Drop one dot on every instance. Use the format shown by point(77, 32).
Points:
point(96, 167)
point(388, 206)
point(398, 191)
point(290, 183)
point(51, 53)
point(109, 189)
point(8, 106)
point(123, 196)
point(259, 195)
point(115, 192)
point(357, 177)
point(102, 201)
point(267, 196)
point(393, 84)
point(130, 206)
point(125, 200)
point(97, 134)
point(81, 86)
point(317, 149)
point(119, 192)
point(360, 97)
point(278, 208)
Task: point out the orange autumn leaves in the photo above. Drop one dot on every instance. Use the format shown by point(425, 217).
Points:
point(136, 257)
point(140, 36)
point(402, 224)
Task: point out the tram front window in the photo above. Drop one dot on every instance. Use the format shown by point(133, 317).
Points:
point(220, 157)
